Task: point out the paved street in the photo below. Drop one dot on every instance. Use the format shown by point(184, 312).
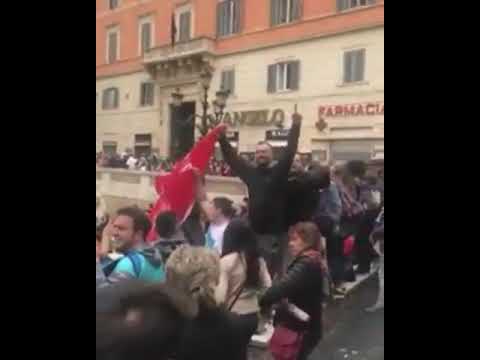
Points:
point(357, 335)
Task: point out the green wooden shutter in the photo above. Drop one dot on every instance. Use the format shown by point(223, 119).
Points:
point(293, 75)
point(347, 67)
point(272, 78)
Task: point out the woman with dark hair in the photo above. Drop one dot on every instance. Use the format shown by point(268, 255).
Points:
point(218, 212)
point(299, 294)
point(242, 274)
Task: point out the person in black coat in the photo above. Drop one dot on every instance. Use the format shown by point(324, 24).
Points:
point(139, 320)
point(302, 190)
point(302, 286)
point(267, 184)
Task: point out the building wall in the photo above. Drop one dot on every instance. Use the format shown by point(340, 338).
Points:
point(318, 41)
point(121, 125)
point(320, 84)
point(319, 17)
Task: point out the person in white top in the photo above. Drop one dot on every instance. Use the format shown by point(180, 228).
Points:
point(219, 213)
point(132, 162)
point(243, 274)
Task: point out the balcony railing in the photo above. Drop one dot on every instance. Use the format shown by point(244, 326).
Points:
point(198, 46)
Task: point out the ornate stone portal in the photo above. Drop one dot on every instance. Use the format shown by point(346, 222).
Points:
point(179, 67)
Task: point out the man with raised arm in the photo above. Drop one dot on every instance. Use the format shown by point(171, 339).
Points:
point(267, 184)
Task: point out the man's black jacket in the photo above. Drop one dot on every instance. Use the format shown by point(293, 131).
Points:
point(267, 186)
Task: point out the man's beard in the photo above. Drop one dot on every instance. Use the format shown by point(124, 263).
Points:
point(264, 163)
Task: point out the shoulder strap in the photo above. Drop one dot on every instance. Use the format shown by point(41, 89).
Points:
point(239, 290)
point(237, 295)
point(136, 262)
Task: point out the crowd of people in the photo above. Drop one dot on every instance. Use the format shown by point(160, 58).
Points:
point(128, 160)
point(207, 284)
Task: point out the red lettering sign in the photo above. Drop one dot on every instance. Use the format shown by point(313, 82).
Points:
point(330, 111)
point(349, 110)
point(361, 109)
point(370, 109)
point(338, 110)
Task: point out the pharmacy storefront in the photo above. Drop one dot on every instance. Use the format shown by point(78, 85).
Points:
point(330, 132)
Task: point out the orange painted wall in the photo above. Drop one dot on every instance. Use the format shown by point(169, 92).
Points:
point(319, 17)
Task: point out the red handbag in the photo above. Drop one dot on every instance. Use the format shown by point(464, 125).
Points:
point(348, 245)
point(285, 344)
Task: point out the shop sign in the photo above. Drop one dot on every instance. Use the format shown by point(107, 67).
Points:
point(277, 135)
point(255, 118)
point(361, 109)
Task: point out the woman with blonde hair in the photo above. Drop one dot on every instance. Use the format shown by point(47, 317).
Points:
point(214, 333)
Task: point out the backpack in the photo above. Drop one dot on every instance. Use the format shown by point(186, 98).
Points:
point(350, 206)
point(134, 258)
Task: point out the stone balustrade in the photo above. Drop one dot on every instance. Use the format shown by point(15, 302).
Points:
point(120, 187)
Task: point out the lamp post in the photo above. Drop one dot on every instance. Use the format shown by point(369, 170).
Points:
point(207, 121)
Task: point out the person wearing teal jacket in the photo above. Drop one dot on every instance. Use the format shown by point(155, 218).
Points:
point(129, 230)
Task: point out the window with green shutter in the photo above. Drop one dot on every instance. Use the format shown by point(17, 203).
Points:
point(112, 47)
point(228, 81)
point(113, 4)
point(147, 94)
point(228, 17)
point(146, 37)
point(351, 4)
point(110, 99)
point(185, 26)
point(284, 76)
point(285, 11)
point(354, 66)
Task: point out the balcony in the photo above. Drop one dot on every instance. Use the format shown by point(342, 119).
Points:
point(199, 47)
point(180, 64)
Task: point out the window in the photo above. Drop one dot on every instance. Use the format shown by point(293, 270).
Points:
point(285, 11)
point(113, 50)
point(283, 76)
point(145, 36)
point(185, 19)
point(113, 4)
point(228, 81)
point(110, 99)
point(109, 147)
point(143, 145)
point(147, 94)
point(347, 150)
point(350, 4)
point(354, 66)
point(228, 17)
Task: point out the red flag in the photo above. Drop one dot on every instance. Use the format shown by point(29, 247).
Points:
point(176, 190)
